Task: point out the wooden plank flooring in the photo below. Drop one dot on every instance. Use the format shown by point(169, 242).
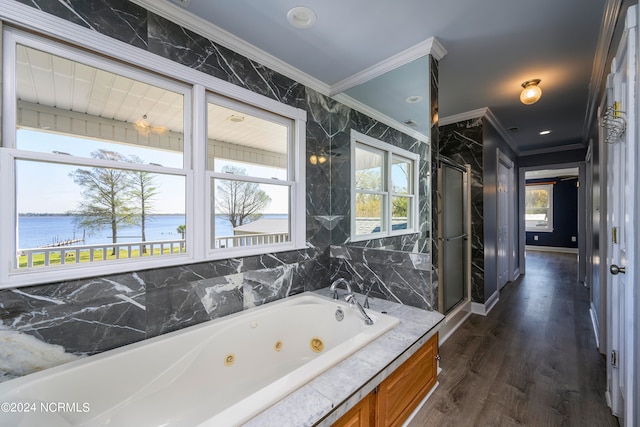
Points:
point(532, 361)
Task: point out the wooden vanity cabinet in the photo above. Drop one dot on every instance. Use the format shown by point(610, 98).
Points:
point(402, 391)
point(399, 394)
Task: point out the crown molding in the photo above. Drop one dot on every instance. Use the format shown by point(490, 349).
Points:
point(382, 118)
point(484, 113)
point(506, 136)
point(205, 28)
point(469, 115)
point(430, 46)
point(598, 72)
point(556, 149)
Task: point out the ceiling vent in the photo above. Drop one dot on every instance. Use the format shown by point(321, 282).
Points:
point(514, 129)
point(410, 123)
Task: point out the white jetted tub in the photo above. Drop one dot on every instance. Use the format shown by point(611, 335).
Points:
point(219, 373)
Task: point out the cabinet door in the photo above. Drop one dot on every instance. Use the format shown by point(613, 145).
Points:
point(400, 394)
point(361, 415)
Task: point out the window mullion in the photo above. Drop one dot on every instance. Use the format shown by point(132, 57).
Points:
point(198, 196)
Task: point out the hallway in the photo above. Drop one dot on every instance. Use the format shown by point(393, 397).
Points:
point(532, 361)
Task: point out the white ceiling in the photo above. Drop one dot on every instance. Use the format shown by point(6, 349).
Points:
point(492, 46)
point(67, 85)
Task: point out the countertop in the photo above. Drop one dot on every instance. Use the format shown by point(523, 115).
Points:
point(331, 394)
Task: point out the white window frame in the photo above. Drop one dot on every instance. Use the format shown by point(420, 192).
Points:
point(389, 151)
point(154, 70)
point(549, 227)
point(211, 175)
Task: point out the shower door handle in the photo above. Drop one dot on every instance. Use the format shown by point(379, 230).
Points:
point(462, 236)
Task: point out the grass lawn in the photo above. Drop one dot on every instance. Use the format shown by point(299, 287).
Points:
point(98, 255)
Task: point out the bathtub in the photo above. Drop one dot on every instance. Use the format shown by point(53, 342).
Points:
point(218, 373)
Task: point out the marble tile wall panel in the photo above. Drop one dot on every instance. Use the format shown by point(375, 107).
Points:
point(463, 143)
point(391, 275)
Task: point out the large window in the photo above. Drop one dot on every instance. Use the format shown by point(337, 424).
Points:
point(105, 168)
point(539, 207)
point(384, 189)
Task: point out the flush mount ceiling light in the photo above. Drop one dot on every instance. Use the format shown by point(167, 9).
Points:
point(301, 17)
point(143, 126)
point(545, 132)
point(531, 92)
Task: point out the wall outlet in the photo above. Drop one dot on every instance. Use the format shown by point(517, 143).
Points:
point(574, 238)
point(535, 237)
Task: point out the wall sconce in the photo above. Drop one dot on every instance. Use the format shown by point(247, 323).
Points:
point(319, 158)
point(531, 92)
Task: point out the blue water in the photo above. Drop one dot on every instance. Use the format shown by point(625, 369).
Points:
point(36, 231)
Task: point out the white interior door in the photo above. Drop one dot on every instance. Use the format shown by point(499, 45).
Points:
point(621, 227)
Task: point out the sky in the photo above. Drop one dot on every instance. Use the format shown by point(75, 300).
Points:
point(48, 188)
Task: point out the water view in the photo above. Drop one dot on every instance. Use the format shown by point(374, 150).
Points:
point(41, 230)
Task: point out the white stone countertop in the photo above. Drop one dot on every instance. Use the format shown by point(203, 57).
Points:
point(331, 394)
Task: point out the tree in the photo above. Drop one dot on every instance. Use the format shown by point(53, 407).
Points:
point(240, 201)
point(182, 229)
point(143, 190)
point(106, 195)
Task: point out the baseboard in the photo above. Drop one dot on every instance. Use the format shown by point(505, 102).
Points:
point(596, 327)
point(415, 411)
point(453, 321)
point(484, 309)
point(551, 249)
point(515, 275)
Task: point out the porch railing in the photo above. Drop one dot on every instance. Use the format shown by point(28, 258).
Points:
point(44, 257)
point(250, 240)
point(76, 254)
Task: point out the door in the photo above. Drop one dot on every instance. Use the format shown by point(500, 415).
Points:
point(504, 221)
point(453, 236)
point(621, 136)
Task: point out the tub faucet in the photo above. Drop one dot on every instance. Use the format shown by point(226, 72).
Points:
point(337, 282)
point(351, 299)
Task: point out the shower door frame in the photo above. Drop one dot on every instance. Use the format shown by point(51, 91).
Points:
point(466, 171)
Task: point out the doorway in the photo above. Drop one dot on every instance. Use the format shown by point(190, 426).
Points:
point(453, 234)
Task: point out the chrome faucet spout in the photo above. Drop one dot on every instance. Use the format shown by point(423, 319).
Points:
point(340, 281)
point(351, 299)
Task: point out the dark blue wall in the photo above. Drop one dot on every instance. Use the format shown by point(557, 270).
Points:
point(565, 215)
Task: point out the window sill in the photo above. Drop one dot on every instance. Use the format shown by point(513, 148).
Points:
point(40, 276)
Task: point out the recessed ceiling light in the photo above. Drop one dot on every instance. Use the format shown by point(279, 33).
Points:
point(545, 132)
point(301, 17)
point(413, 99)
point(235, 119)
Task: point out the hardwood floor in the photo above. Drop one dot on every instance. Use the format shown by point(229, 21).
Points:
point(532, 361)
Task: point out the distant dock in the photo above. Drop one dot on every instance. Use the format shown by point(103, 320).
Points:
point(62, 243)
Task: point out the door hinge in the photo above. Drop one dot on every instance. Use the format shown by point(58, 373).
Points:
point(614, 358)
point(614, 235)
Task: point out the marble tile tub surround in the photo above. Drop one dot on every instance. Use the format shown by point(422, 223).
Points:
point(331, 394)
point(53, 323)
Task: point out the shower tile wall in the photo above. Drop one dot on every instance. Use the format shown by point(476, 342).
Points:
point(463, 143)
point(88, 316)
